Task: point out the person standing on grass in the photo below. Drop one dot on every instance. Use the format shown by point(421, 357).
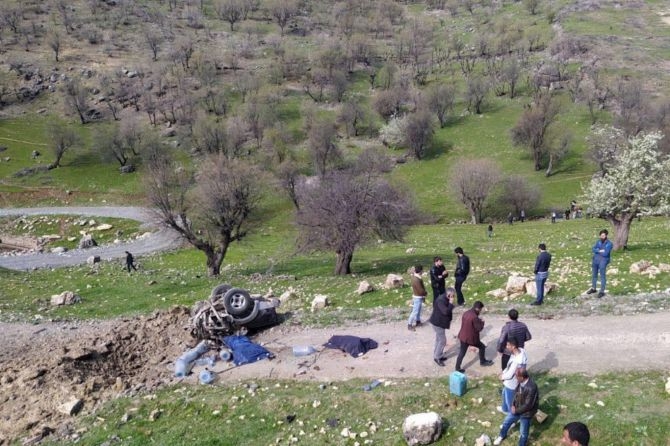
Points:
point(512, 329)
point(440, 319)
point(541, 272)
point(418, 297)
point(575, 434)
point(461, 273)
point(130, 261)
point(471, 326)
point(525, 405)
point(438, 274)
point(601, 258)
point(508, 377)
point(489, 231)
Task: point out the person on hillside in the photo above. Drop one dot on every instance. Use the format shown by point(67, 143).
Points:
point(471, 326)
point(418, 297)
point(438, 274)
point(575, 434)
point(440, 319)
point(461, 273)
point(508, 377)
point(541, 271)
point(130, 261)
point(522, 216)
point(524, 408)
point(553, 216)
point(510, 218)
point(512, 329)
point(601, 258)
point(489, 231)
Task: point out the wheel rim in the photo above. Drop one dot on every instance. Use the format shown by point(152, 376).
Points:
point(238, 301)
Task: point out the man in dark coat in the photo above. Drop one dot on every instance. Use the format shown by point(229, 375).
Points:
point(440, 319)
point(471, 325)
point(461, 273)
point(438, 274)
point(512, 329)
point(130, 261)
point(526, 403)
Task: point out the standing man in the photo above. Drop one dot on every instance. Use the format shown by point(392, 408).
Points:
point(576, 434)
point(541, 272)
point(418, 297)
point(461, 273)
point(471, 325)
point(524, 408)
point(438, 273)
point(441, 321)
point(512, 329)
point(130, 261)
point(508, 377)
point(522, 216)
point(601, 258)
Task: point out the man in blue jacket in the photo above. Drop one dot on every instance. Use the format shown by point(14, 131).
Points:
point(601, 258)
point(541, 271)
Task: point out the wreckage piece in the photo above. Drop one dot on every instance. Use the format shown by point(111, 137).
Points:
point(230, 311)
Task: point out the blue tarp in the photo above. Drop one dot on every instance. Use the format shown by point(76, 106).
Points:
point(244, 351)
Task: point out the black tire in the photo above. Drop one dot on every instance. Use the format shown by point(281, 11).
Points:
point(220, 290)
point(238, 303)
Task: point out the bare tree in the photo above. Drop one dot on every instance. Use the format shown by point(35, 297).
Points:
point(76, 98)
point(289, 175)
point(321, 145)
point(519, 194)
point(230, 11)
point(109, 144)
point(477, 89)
point(210, 209)
point(64, 9)
point(62, 137)
point(605, 143)
point(154, 39)
point(473, 180)
point(12, 18)
point(347, 208)
point(441, 101)
point(419, 131)
point(283, 11)
point(355, 118)
point(633, 114)
point(388, 102)
point(531, 129)
point(209, 135)
point(55, 42)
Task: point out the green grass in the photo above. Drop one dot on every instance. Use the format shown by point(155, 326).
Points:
point(630, 409)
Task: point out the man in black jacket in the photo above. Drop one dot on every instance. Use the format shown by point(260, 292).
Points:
point(440, 319)
point(512, 329)
point(541, 271)
point(461, 273)
point(438, 274)
point(526, 403)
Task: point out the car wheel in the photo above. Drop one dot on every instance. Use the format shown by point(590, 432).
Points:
point(238, 303)
point(220, 290)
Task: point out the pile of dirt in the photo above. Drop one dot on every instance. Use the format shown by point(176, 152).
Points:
point(91, 363)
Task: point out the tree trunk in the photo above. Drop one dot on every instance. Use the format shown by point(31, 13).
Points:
point(550, 166)
point(343, 264)
point(214, 260)
point(621, 229)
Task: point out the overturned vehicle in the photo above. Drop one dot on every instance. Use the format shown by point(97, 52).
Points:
point(231, 311)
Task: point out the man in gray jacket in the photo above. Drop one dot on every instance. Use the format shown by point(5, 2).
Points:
point(512, 329)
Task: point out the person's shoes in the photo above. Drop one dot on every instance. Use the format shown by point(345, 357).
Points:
point(411, 328)
point(418, 323)
point(444, 358)
point(460, 370)
point(536, 303)
point(500, 409)
point(600, 294)
point(591, 291)
point(439, 362)
point(486, 363)
point(498, 441)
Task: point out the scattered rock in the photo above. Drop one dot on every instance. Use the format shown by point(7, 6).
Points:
point(516, 284)
point(103, 227)
point(319, 302)
point(498, 293)
point(65, 298)
point(483, 440)
point(287, 295)
point(87, 241)
point(364, 287)
point(71, 407)
point(59, 249)
point(128, 168)
point(422, 428)
point(410, 251)
point(639, 267)
point(664, 267)
point(394, 281)
point(93, 260)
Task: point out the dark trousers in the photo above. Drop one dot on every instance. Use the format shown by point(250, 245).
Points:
point(458, 284)
point(464, 350)
point(504, 359)
point(130, 265)
point(436, 292)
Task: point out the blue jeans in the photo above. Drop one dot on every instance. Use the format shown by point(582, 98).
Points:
point(415, 315)
point(507, 399)
point(540, 279)
point(524, 427)
point(599, 268)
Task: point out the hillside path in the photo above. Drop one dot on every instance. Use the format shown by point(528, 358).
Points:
point(160, 239)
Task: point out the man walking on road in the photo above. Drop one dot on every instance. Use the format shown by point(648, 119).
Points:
point(512, 329)
point(601, 258)
point(130, 261)
point(461, 273)
point(541, 272)
point(524, 408)
point(471, 326)
point(440, 319)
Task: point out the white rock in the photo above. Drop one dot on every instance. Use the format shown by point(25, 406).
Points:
point(483, 440)
point(639, 267)
point(664, 267)
point(667, 386)
point(59, 250)
point(394, 281)
point(103, 227)
point(516, 284)
point(410, 251)
point(288, 295)
point(364, 287)
point(422, 428)
point(319, 302)
point(498, 293)
point(71, 407)
point(65, 298)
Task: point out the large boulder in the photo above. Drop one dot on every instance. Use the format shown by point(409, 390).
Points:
point(498, 293)
point(87, 241)
point(364, 287)
point(422, 428)
point(639, 267)
point(516, 284)
point(394, 281)
point(65, 298)
point(531, 288)
point(664, 267)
